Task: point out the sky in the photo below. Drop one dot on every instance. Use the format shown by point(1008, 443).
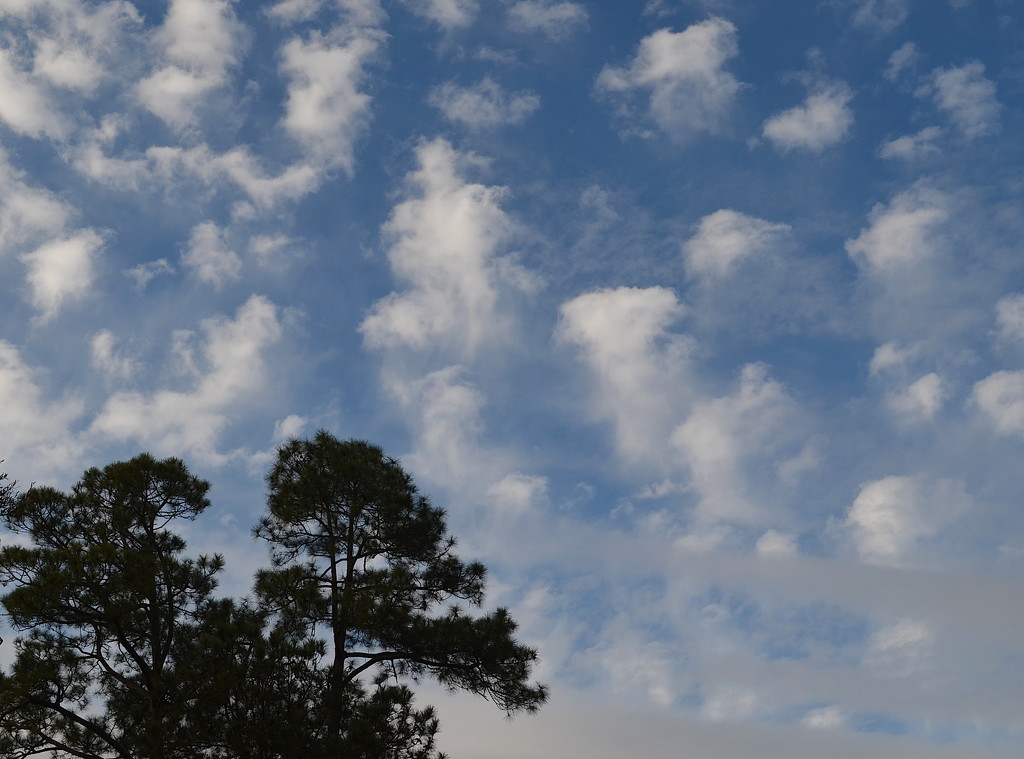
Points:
point(703, 319)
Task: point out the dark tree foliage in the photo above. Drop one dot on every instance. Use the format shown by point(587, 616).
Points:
point(359, 552)
point(101, 595)
point(124, 652)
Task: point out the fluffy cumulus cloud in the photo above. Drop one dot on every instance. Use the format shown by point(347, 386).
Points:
point(1010, 317)
point(444, 241)
point(913, 147)
point(824, 119)
point(968, 97)
point(555, 19)
point(881, 15)
point(326, 111)
point(722, 434)
point(485, 104)
point(230, 372)
point(445, 409)
point(201, 41)
point(920, 400)
point(902, 234)
point(890, 516)
point(209, 258)
point(37, 431)
point(1000, 398)
point(726, 237)
point(27, 213)
point(447, 14)
point(61, 271)
point(107, 360)
point(26, 107)
point(640, 367)
point(683, 74)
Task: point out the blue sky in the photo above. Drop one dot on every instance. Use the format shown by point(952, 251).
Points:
point(704, 320)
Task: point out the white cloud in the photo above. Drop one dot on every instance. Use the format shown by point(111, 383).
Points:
point(640, 367)
point(722, 434)
point(26, 212)
point(920, 400)
point(900, 235)
point(726, 236)
point(913, 147)
point(61, 271)
point(890, 356)
point(209, 258)
point(325, 111)
point(555, 19)
point(881, 15)
point(167, 166)
point(445, 412)
point(890, 516)
point(1010, 317)
point(517, 494)
point(448, 14)
point(234, 373)
point(107, 360)
point(900, 650)
point(485, 104)
point(143, 274)
point(36, 433)
point(683, 72)
point(1000, 396)
point(900, 61)
point(774, 543)
point(443, 242)
point(201, 41)
point(968, 97)
point(70, 67)
point(25, 106)
point(825, 718)
point(823, 120)
point(289, 427)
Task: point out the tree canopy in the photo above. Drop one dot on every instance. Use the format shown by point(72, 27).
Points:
point(125, 650)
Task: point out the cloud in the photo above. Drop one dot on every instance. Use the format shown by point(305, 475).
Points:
point(26, 107)
point(900, 235)
point(1010, 317)
point(774, 543)
point(725, 237)
point(1000, 397)
point(920, 400)
point(201, 41)
point(443, 241)
point(209, 258)
point(968, 98)
point(683, 73)
point(37, 433)
point(900, 650)
point(107, 361)
point(722, 434)
point(640, 367)
point(167, 168)
point(554, 19)
point(447, 14)
point(485, 104)
point(890, 516)
point(143, 274)
point(444, 410)
point(26, 213)
point(882, 16)
point(902, 59)
point(823, 120)
point(325, 111)
point(61, 271)
point(233, 373)
point(913, 147)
